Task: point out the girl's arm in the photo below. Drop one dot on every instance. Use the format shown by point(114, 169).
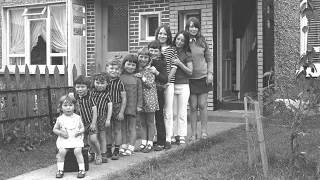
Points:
point(188, 69)
point(57, 131)
point(209, 60)
point(109, 114)
point(172, 72)
point(139, 95)
point(162, 75)
point(81, 128)
point(94, 118)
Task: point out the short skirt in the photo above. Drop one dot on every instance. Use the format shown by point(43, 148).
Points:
point(199, 86)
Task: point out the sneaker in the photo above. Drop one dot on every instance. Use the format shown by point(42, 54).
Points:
point(167, 145)
point(121, 151)
point(182, 142)
point(59, 174)
point(141, 148)
point(109, 154)
point(115, 156)
point(104, 157)
point(128, 152)
point(98, 160)
point(155, 143)
point(81, 174)
point(91, 157)
point(148, 149)
point(159, 148)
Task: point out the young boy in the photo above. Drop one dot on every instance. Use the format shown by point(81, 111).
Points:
point(104, 108)
point(88, 112)
point(118, 97)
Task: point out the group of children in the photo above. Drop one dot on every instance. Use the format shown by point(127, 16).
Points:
point(152, 85)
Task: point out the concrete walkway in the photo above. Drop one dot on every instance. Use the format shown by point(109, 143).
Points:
point(215, 126)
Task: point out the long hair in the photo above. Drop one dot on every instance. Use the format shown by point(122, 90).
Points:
point(186, 36)
point(168, 31)
point(200, 39)
point(133, 59)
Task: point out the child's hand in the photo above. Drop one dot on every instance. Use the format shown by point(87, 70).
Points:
point(120, 116)
point(176, 61)
point(138, 75)
point(107, 123)
point(153, 70)
point(139, 109)
point(165, 85)
point(78, 134)
point(64, 134)
point(92, 127)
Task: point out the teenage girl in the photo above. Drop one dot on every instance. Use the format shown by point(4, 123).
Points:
point(69, 129)
point(150, 100)
point(133, 89)
point(164, 36)
point(181, 85)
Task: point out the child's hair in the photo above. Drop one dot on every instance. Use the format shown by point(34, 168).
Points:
point(144, 51)
point(155, 45)
point(200, 39)
point(113, 62)
point(168, 31)
point(133, 59)
point(66, 99)
point(101, 77)
point(186, 35)
point(82, 80)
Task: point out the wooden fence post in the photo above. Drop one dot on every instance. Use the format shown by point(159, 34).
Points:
point(249, 132)
point(262, 143)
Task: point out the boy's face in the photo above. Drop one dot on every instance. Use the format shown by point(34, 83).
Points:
point(100, 85)
point(113, 70)
point(143, 59)
point(81, 89)
point(67, 108)
point(130, 67)
point(155, 53)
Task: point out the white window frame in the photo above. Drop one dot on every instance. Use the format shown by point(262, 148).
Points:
point(6, 41)
point(183, 17)
point(144, 25)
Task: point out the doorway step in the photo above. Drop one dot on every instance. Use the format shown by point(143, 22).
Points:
point(231, 103)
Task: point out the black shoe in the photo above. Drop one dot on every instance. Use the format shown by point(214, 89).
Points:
point(155, 143)
point(115, 156)
point(91, 157)
point(159, 148)
point(109, 154)
point(59, 174)
point(104, 158)
point(81, 174)
point(167, 145)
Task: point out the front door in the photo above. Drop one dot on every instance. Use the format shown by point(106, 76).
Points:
point(225, 42)
point(115, 29)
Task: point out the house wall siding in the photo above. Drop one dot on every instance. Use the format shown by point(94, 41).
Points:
point(9, 3)
point(136, 6)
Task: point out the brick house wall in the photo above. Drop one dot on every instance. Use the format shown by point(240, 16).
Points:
point(136, 6)
point(91, 58)
point(6, 3)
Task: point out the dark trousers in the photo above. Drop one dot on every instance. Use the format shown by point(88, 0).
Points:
point(161, 130)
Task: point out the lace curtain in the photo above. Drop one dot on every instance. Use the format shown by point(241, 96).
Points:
point(59, 29)
point(17, 32)
point(37, 28)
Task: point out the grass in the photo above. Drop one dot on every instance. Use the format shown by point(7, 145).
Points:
point(14, 162)
point(225, 157)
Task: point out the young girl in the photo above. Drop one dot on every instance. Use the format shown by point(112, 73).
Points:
point(69, 129)
point(163, 35)
point(104, 110)
point(201, 79)
point(150, 100)
point(158, 68)
point(133, 89)
point(181, 86)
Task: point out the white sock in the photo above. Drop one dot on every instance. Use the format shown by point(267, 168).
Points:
point(182, 137)
point(144, 142)
point(131, 147)
point(155, 138)
point(124, 146)
point(150, 143)
point(168, 139)
point(60, 166)
point(81, 166)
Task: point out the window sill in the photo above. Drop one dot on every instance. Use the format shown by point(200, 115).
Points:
point(32, 69)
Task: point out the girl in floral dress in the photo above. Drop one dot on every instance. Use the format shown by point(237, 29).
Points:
point(150, 100)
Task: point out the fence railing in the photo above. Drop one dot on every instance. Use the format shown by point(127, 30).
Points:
point(29, 101)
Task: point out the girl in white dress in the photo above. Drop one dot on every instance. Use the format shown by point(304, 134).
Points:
point(70, 129)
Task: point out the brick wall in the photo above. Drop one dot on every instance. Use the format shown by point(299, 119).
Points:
point(4, 3)
point(90, 34)
point(260, 37)
point(136, 6)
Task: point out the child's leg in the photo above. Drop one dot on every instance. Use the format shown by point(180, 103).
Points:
point(103, 143)
point(132, 131)
point(109, 140)
point(60, 158)
point(144, 131)
point(168, 114)
point(124, 130)
point(78, 154)
point(94, 141)
point(182, 112)
point(175, 117)
point(118, 139)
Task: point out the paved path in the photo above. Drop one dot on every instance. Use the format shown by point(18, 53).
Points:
point(102, 171)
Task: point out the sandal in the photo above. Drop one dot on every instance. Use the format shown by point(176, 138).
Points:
point(182, 142)
point(141, 147)
point(121, 151)
point(81, 174)
point(204, 135)
point(128, 152)
point(59, 174)
point(98, 160)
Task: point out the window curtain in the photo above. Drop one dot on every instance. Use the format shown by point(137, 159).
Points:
point(37, 28)
point(59, 29)
point(17, 32)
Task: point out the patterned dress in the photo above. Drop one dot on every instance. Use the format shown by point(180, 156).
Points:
point(133, 89)
point(149, 90)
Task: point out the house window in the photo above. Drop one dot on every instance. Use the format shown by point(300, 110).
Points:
point(185, 15)
point(37, 35)
point(149, 22)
